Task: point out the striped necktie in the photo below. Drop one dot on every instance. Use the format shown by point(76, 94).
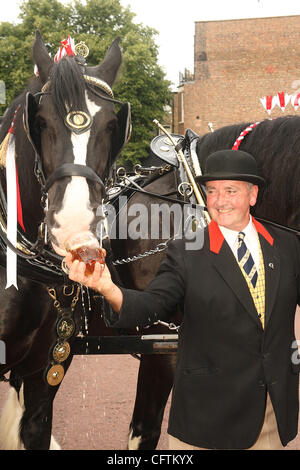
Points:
point(246, 260)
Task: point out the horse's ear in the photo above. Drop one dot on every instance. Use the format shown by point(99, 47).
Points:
point(108, 69)
point(41, 57)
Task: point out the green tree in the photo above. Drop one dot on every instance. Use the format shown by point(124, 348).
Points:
point(142, 81)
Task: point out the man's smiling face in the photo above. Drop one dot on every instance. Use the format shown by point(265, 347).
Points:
point(229, 201)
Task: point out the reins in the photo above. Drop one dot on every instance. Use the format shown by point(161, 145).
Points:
point(139, 189)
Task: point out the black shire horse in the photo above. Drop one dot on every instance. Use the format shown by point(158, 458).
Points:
point(67, 136)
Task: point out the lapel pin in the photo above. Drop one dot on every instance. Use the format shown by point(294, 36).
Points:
point(271, 265)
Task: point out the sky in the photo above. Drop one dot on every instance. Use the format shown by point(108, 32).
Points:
point(175, 22)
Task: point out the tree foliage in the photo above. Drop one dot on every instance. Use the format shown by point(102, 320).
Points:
point(97, 22)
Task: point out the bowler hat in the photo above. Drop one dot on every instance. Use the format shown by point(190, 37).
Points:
point(231, 165)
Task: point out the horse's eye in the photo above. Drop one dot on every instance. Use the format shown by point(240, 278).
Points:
point(41, 123)
point(111, 126)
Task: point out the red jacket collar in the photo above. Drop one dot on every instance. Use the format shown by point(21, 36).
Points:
point(216, 237)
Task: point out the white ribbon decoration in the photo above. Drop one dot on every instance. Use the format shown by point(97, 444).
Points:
point(11, 184)
point(282, 99)
point(268, 103)
point(295, 101)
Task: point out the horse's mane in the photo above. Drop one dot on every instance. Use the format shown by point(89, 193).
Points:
point(67, 87)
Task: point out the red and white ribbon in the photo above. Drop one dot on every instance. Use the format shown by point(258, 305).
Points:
point(282, 100)
point(269, 102)
point(243, 134)
point(67, 48)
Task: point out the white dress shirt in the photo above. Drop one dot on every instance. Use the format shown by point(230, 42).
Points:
point(251, 240)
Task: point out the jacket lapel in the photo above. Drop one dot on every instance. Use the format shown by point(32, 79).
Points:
point(226, 264)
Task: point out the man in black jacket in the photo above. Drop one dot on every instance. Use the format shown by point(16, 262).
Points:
point(236, 386)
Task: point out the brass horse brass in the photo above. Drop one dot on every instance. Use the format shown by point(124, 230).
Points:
point(65, 327)
point(61, 351)
point(78, 121)
point(82, 49)
point(55, 375)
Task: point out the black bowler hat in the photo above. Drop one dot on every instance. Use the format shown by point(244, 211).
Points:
point(231, 165)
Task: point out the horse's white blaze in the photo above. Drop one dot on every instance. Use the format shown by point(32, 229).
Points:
point(134, 442)
point(76, 214)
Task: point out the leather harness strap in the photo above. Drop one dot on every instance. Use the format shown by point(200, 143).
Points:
point(72, 169)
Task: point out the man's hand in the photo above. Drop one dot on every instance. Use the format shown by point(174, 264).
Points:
point(100, 280)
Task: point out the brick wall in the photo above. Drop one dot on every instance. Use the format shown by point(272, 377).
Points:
point(237, 62)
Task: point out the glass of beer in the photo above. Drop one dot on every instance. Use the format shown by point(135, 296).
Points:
point(85, 247)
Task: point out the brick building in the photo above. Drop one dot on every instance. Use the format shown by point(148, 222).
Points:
point(237, 62)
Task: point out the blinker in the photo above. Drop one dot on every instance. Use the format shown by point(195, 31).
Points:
point(30, 110)
point(121, 137)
